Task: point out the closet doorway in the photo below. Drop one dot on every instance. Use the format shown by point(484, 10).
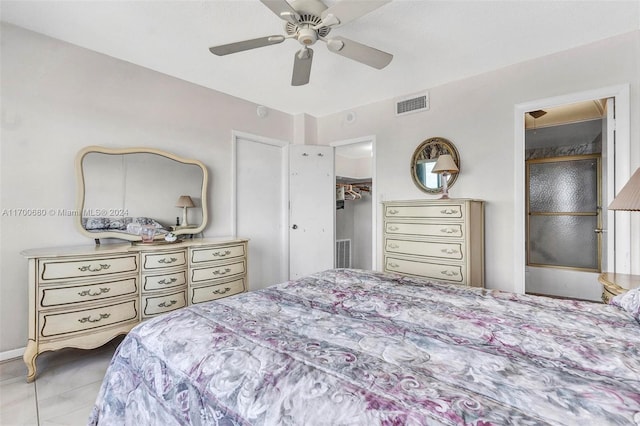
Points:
point(355, 206)
point(259, 206)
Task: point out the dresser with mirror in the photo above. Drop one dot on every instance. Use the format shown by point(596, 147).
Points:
point(84, 296)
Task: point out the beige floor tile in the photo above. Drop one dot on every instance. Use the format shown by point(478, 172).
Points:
point(60, 406)
point(12, 369)
point(18, 403)
point(77, 417)
point(65, 376)
point(66, 387)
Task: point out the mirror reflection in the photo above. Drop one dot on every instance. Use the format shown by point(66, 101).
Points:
point(123, 193)
point(424, 159)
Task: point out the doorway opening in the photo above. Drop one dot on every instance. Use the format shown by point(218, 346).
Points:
point(615, 165)
point(564, 221)
point(355, 220)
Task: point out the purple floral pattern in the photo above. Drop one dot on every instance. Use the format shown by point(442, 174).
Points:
point(369, 348)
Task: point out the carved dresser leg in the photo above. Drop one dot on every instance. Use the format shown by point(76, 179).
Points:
point(29, 358)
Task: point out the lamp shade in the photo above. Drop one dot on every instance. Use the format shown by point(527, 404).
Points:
point(185, 201)
point(445, 163)
point(629, 196)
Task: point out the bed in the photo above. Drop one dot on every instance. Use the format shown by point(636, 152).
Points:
point(352, 347)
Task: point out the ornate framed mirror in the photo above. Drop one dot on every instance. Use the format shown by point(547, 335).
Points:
point(121, 193)
point(423, 160)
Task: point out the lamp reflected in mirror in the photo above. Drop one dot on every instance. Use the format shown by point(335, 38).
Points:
point(185, 202)
point(445, 166)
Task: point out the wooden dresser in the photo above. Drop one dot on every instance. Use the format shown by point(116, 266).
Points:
point(84, 296)
point(439, 239)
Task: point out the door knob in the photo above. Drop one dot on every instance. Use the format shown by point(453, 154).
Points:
point(294, 226)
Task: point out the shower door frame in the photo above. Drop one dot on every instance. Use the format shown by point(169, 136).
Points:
point(597, 213)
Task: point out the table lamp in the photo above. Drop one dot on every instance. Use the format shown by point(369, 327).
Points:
point(185, 202)
point(445, 166)
point(629, 196)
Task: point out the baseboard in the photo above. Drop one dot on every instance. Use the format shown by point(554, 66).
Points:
point(15, 353)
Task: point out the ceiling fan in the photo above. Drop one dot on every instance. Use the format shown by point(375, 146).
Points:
point(308, 21)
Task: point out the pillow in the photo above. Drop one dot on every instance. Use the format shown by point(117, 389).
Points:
point(629, 301)
point(92, 223)
point(118, 223)
point(143, 221)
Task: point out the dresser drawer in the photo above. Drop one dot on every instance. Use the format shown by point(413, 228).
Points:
point(154, 305)
point(206, 293)
point(160, 282)
point(200, 255)
point(219, 271)
point(439, 211)
point(442, 250)
point(153, 261)
point(54, 296)
point(436, 271)
point(56, 324)
point(445, 230)
point(51, 269)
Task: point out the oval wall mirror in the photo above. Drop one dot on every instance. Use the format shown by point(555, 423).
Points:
point(423, 160)
point(122, 191)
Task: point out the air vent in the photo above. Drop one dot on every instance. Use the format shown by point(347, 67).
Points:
point(415, 103)
point(343, 253)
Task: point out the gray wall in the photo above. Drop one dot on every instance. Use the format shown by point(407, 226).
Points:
point(477, 115)
point(58, 98)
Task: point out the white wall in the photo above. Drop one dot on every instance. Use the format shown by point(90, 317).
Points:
point(58, 98)
point(477, 115)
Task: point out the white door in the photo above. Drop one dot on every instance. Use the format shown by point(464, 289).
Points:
point(261, 207)
point(312, 209)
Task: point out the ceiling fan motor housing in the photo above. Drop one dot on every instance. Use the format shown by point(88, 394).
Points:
point(307, 36)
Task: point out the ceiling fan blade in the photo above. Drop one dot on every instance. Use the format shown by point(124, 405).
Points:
point(282, 9)
point(359, 52)
point(348, 10)
point(240, 46)
point(302, 67)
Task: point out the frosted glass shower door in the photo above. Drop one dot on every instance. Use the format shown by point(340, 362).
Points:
point(564, 224)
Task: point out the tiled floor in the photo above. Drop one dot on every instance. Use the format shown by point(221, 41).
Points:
point(64, 391)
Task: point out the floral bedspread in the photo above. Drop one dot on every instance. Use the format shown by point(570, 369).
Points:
point(348, 347)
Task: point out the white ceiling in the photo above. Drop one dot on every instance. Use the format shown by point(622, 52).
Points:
point(433, 42)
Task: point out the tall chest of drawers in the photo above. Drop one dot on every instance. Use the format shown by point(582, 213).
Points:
point(84, 296)
point(440, 239)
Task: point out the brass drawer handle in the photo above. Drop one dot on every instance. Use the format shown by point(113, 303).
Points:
point(171, 281)
point(218, 272)
point(392, 246)
point(218, 291)
point(449, 211)
point(393, 211)
point(393, 265)
point(165, 305)
point(448, 230)
point(88, 319)
point(449, 251)
point(97, 293)
point(98, 269)
point(168, 261)
point(220, 254)
point(449, 273)
point(392, 228)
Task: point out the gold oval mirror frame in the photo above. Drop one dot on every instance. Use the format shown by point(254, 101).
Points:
point(423, 160)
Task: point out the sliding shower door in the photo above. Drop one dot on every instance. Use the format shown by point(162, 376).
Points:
point(564, 212)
